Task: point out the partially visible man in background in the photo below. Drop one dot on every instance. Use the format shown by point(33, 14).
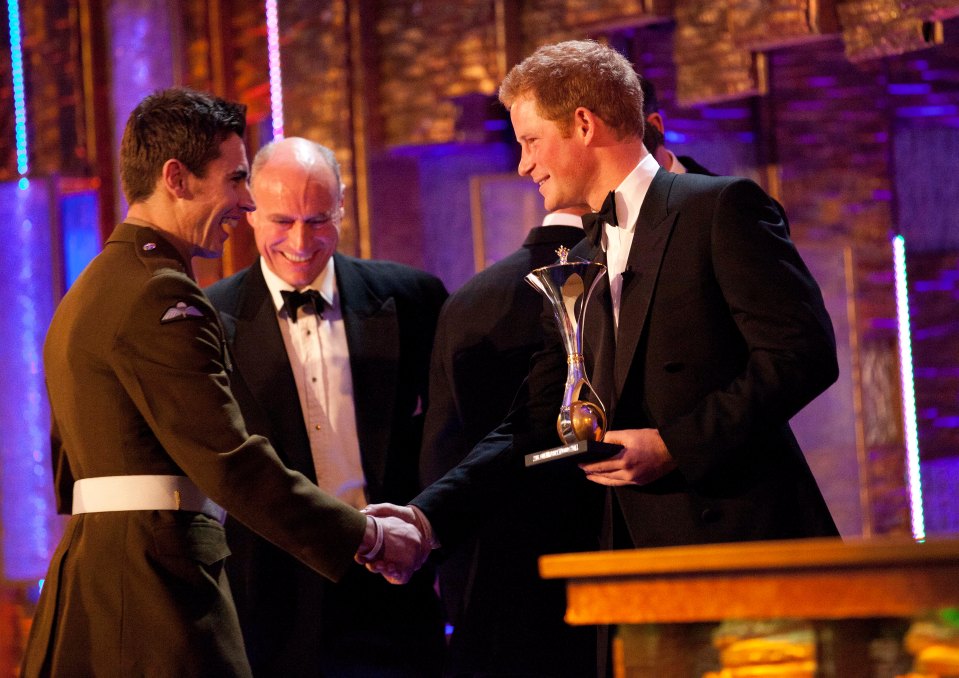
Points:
point(335, 352)
point(654, 135)
point(507, 621)
point(148, 440)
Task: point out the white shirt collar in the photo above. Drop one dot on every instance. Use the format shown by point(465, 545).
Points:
point(631, 192)
point(562, 219)
point(324, 283)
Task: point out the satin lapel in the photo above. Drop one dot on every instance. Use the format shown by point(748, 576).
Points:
point(653, 228)
point(599, 340)
point(373, 337)
point(265, 366)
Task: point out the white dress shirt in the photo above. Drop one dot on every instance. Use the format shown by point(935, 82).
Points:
point(320, 360)
point(562, 219)
point(617, 240)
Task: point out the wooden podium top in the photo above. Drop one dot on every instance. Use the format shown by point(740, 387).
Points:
point(808, 578)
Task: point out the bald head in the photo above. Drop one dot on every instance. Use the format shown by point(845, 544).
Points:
point(296, 151)
point(296, 185)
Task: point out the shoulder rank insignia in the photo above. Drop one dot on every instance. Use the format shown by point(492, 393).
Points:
point(179, 312)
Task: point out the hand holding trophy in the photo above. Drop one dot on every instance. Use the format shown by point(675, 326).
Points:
point(581, 423)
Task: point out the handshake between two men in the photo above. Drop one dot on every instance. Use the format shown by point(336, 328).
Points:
point(399, 538)
point(402, 541)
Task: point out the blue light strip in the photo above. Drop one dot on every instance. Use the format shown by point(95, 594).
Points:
point(31, 526)
point(19, 94)
point(79, 230)
point(908, 388)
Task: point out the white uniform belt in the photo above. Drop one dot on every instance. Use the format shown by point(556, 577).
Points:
point(142, 493)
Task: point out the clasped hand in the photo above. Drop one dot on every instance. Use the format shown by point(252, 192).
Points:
point(406, 544)
point(643, 459)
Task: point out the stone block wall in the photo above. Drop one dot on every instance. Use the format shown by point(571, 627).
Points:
point(923, 98)
point(431, 53)
point(53, 73)
point(316, 76)
point(831, 147)
point(934, 297)
point(723, 137)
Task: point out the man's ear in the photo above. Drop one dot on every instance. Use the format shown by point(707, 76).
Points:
point(584, 124)
point(656, 120)
point(174, 177)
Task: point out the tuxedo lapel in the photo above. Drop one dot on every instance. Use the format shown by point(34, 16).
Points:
point(258, 346)
point(653, 228)
point(599, 340)
point(373, 337)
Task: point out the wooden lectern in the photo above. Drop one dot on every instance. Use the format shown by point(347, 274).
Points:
point(813, 607)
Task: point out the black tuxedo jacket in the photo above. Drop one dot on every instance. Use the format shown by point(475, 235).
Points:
point(507, 620)
point(723, 337)
point(294, 623)
point(488, 330)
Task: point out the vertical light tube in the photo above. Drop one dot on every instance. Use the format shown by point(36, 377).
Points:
point(30, 523)
point(908, 388)
point(276, 78)
point(19, 94)
point(141, 60)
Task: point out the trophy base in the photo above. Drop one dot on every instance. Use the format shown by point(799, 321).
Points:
point(582, 452)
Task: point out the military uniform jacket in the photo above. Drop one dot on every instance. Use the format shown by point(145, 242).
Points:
point(139, 383)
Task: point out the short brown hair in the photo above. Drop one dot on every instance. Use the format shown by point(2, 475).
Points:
point(567, 75)
point(175, 123)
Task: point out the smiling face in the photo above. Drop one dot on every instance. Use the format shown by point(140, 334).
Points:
point(297, 225)
point(219, 199)
point(558, 164)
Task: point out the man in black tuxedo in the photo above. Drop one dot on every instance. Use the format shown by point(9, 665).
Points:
point(487, 333)
point(706, 336)
point(334, 352)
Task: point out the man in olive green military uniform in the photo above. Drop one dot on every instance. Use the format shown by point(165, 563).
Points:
point(148, 440)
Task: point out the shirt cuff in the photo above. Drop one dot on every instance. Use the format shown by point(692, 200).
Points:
point(423, 525)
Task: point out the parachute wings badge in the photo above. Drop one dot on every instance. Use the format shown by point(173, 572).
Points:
point(181, 311)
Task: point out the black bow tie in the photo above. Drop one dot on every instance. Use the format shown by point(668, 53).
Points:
point(593, 223)
point(292, 300)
